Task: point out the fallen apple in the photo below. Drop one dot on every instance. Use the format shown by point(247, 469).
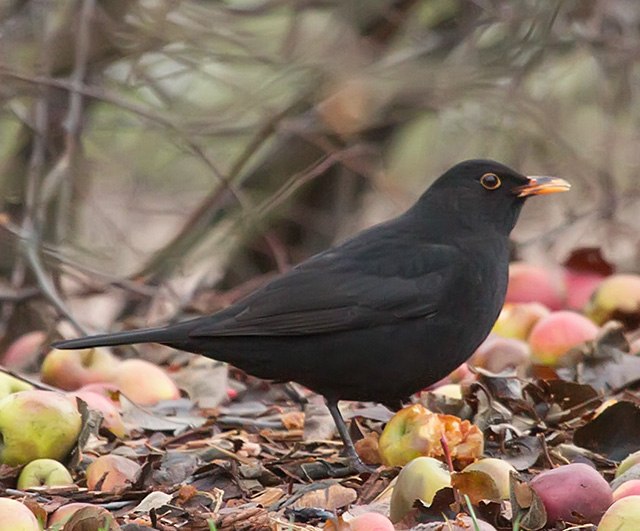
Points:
point(572, 493)
point(71, 369)
point(617, 297)
point(623, 515)
point(557, 333)
point(111, 418)
point(629, 461)
point(41, 472)
point(62, 514)
point(23, 352)
point(371, 522)
point(37, 424)
point(144, 383)
point(420, 479)
point(497, 354)
point(499, 471)
point(628, 488)
point(14, 516)
point(110, 472)
point(533, 283)
point(415, 431)
point(581, 286)
point(517, 320)
point(10, 385)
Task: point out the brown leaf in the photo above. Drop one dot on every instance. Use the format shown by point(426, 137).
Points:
point(294, 420)
point(526, 505)
point(330, 498)
point(368, 449)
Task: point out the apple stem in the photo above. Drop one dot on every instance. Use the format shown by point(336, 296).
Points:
point(447, 453)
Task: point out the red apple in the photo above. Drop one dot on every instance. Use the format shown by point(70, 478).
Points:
point(617, 296)
point(557, 333)
point(628, 488)
point(44, 472)
point(623, 515)
point(15, 516)
point(111, 418)
point(497, 354)
point(580, 287)
point(575, 488)
point(37, 424)
point(533, 283)
point(517, 320)
point(116, 470)
point(371, 522)
point(24, 351)
point(145, 383)
point(71, 369)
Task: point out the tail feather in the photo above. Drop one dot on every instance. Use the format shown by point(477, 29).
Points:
point(145, 335)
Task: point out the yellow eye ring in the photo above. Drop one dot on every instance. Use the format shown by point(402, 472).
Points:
point(490, 181)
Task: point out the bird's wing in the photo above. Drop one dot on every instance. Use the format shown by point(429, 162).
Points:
point(327, 295)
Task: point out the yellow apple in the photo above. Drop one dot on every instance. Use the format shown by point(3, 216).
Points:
point(144, 383)
point(15, 516)
point(71, 369)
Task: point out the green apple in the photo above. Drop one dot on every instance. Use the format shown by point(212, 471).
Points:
point(498, 470)
point(37, 424)
point(71, 369)
point(418, 480)
point(9, 385)
point(622, 515)
point(41, 472)
point(15, 516)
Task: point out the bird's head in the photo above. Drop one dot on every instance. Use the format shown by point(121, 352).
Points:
point(480, 192)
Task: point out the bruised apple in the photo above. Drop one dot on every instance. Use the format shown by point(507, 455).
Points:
point(573, 492)
point(44, 472)
point(497, 354)
point(71, 369)
point(533, 283)
point(420, 479)
point(144, 383)
point(37, 424)
point(557, 333)
point(617, 297)
point(415, 431)
point(110, 472)
point(14, 516)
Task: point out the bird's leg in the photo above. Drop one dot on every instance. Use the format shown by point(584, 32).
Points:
point(355, 463)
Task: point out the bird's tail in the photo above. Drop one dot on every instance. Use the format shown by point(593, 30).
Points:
point(145, 335)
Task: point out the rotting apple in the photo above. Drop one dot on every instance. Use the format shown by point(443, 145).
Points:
point(14, 516)
point(534, 283)
point(110, 472)
point(617, 297)
point(145, 383)
point(622, 515)
point(71, 369)
point(420, 479)
point(44, 472)
point(415, 431)
point(570, 490)
point(37, 424)
point(557, 333)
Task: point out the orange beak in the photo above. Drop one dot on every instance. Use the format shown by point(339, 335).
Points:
point(542, 185)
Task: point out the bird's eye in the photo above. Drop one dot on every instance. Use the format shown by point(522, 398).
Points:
point(490, 181)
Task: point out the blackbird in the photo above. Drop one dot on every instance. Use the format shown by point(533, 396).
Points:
point(383, 314)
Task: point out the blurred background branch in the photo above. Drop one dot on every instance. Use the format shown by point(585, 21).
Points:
point(159, 158)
